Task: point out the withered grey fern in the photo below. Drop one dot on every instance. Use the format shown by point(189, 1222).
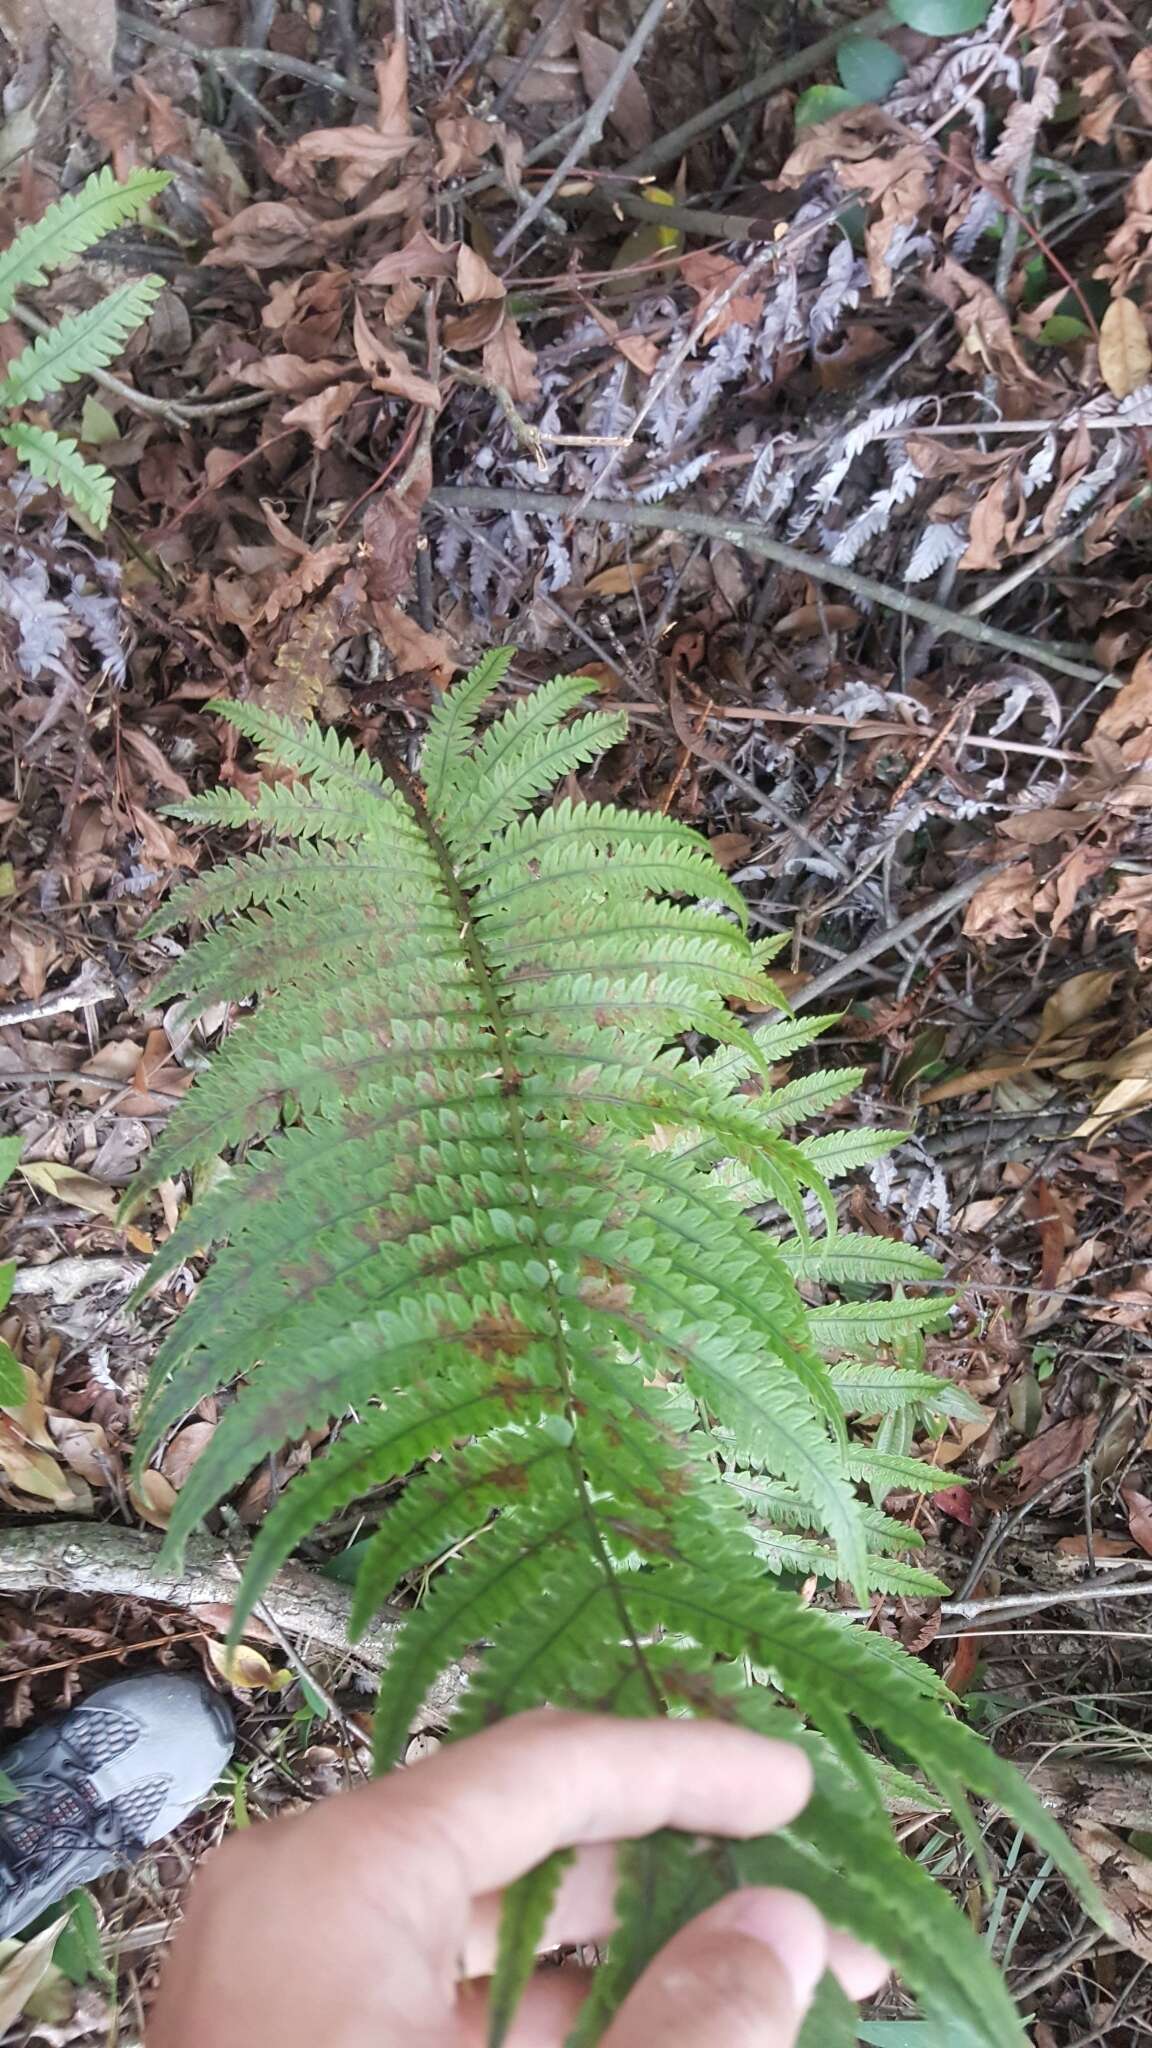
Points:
point(491, 1219)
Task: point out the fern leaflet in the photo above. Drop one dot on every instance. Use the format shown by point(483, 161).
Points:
point(79, 344)
point(73, 224)
point(56, 460)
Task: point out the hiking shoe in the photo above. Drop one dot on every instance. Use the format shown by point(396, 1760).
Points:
point(95, 1786)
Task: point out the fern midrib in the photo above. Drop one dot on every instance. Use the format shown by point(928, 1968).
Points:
point(485, 981)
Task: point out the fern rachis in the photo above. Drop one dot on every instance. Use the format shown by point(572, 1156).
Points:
point(492, 1221)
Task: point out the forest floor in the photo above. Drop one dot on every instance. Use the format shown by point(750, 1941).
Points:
point(873, 393)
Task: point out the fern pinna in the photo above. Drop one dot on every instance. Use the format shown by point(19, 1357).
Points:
point(499, 1128)
point(80, 343)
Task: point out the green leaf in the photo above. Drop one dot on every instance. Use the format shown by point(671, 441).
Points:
point(79, 344)
point(79, 1951)
point(941, 17)
point(73, 224)
point(57, 461)
point(13, 1385)
point(10, 1150)
point(821, 102)
point(524, 1914)
point(831, 2019)
point(868, 68)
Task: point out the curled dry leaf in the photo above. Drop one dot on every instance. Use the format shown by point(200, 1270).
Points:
point(1054, 1452)
point(474, 278)
point(511, 364)
point(411, 647)
point(320, 415)
point(246, 1669)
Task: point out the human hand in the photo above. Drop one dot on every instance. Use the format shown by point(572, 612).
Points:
point(371, 1921)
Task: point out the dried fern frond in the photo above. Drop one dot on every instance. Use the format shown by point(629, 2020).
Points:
point(490, 1218)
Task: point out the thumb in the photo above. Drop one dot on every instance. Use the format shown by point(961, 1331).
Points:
point(743, 1975)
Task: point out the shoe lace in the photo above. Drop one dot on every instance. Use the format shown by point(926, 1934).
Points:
point(38, 1833)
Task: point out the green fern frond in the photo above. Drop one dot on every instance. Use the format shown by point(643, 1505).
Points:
point(79, 344)
point(74, 224)
point(57, 461)
point(501, 1126)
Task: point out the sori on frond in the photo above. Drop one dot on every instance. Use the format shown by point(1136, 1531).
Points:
point(519, 1212)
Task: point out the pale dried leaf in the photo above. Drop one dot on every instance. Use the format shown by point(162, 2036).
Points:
point(1125, 354)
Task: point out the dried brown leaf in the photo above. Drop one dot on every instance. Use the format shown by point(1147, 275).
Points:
point(630, 113)
point(320, 415)
point(1054, 1452)
point(412, 648)
point(421, 258)
point(474, 279)
point(1125, 354)
point(1002, 907)
point(511, 364)
point(391, 531)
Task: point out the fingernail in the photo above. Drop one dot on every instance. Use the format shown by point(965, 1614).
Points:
point(786, 1923)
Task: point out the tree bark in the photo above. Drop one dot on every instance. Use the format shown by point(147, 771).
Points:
point(90, 1559)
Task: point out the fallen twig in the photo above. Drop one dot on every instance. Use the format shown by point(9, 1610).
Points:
point(667, 147)
point(232, 59)
point(591, 127)
point(677, 519)
point(87, 988)
point(888, 936)
point(171, 410)
point(103, 1559)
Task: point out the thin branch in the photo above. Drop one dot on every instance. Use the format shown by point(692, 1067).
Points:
point(98, 1559)
point(232, 59)
point(86, 989)
point(677, 519)
point(170, 410)
point(886, 938)
point(667, 147)
point(1024, 572)
point(959, 1615)
point(591, 127)
point(527, 58)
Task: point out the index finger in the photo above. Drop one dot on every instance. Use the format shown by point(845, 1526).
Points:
point(545, 1780)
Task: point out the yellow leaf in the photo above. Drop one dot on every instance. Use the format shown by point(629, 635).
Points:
point(246, 1669)
point(154, 1497)
point(1125, 1099)
point(1125, 355)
